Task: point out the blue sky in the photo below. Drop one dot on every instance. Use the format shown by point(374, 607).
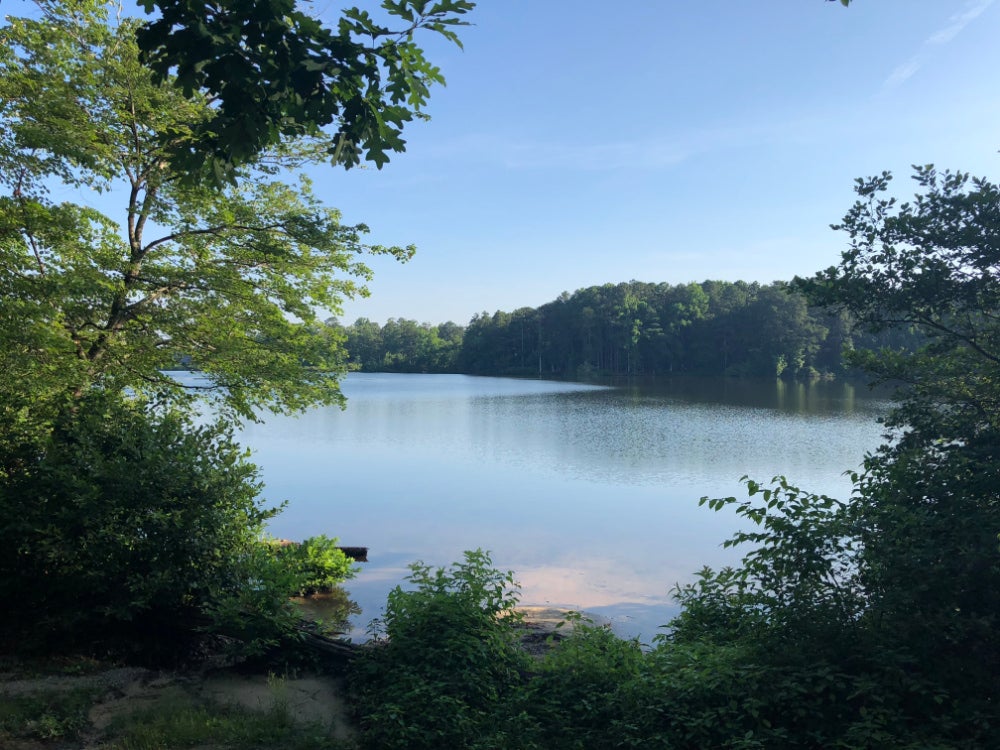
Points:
point(581, 142)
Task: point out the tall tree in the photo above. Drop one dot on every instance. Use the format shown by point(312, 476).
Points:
point(229, 279)
point(927, 508)
point(931, 264)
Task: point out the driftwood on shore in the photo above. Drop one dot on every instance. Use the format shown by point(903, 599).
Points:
point(329, 646)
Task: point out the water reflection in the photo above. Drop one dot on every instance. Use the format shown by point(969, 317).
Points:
point(331, 611)
point(589, 493)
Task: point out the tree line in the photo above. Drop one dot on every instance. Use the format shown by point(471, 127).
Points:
point(129, 526)
point(632, 328)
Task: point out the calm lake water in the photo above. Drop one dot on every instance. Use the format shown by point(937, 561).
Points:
point(589, 494)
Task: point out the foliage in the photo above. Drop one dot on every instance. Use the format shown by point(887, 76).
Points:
point(793, 648)
point(226, 280)
point(402, 346)
point(113, 503)
point(595, 690)
point(121, 517)
point(447, 661)
point(798, 577)
point(928, 519)
point(132, 524)
point(636, 328)
point(45, 715)
point(277, 73)
point(904, 607)
point(317, 561)
point(928, 510)
point(891, 596)
point(254, 612)
point(579, 692)
point(932, 264)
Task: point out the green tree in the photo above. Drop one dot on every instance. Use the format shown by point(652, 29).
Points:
point(449, 344)
point(682, 307)
point(227, 279)
point(931, 265)
point(928, 508)
point(886, 604)
point(365, 345)
point(120, 516)
point(275, 72)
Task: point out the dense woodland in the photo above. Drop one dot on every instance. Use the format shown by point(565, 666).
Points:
point(633, 328)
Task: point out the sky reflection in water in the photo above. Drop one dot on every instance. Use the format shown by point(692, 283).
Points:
point(590, 494)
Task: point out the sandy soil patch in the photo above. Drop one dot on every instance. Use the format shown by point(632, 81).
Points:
point(308, 700)
point(123, 691)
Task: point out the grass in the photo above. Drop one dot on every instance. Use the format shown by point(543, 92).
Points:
point(46, 714)
point(67, 665)
point(54, 718)
point(181, 721)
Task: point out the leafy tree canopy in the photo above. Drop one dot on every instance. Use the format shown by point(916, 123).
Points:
point(274, 72)
point(225, 279)
point(931, 264)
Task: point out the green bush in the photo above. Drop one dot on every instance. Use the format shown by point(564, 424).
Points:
point(132, 524)
point(446, 661)
point(778, 652)
point(53, 715)
point(575, 697)
point(317, 562)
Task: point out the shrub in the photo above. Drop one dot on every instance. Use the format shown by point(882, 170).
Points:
point(446, 661)
point(575, 699)
point(317, 562)
point(128, 523)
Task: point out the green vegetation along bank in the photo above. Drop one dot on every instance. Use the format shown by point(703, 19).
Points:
point(632, 329)
point(867, 622)
point(128, 526)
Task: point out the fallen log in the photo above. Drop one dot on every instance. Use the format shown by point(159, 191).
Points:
point(330, 646)
point(358, 554)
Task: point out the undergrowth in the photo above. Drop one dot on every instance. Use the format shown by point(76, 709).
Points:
point(448, 671)
point(45, 715)
point(179, 720)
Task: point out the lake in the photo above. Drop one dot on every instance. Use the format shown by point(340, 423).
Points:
point(590, 494)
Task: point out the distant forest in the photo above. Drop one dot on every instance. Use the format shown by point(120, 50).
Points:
point(635, 328)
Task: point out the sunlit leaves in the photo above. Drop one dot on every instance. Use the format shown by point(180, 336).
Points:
point(229, 279)
point(274, 72)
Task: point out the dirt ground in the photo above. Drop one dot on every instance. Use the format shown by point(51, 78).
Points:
point(309, 699)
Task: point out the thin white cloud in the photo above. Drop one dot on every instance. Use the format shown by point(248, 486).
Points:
point(902, 72)
point(959, 22)
point(956, 24)
point(650, 154)
point(653, 152)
